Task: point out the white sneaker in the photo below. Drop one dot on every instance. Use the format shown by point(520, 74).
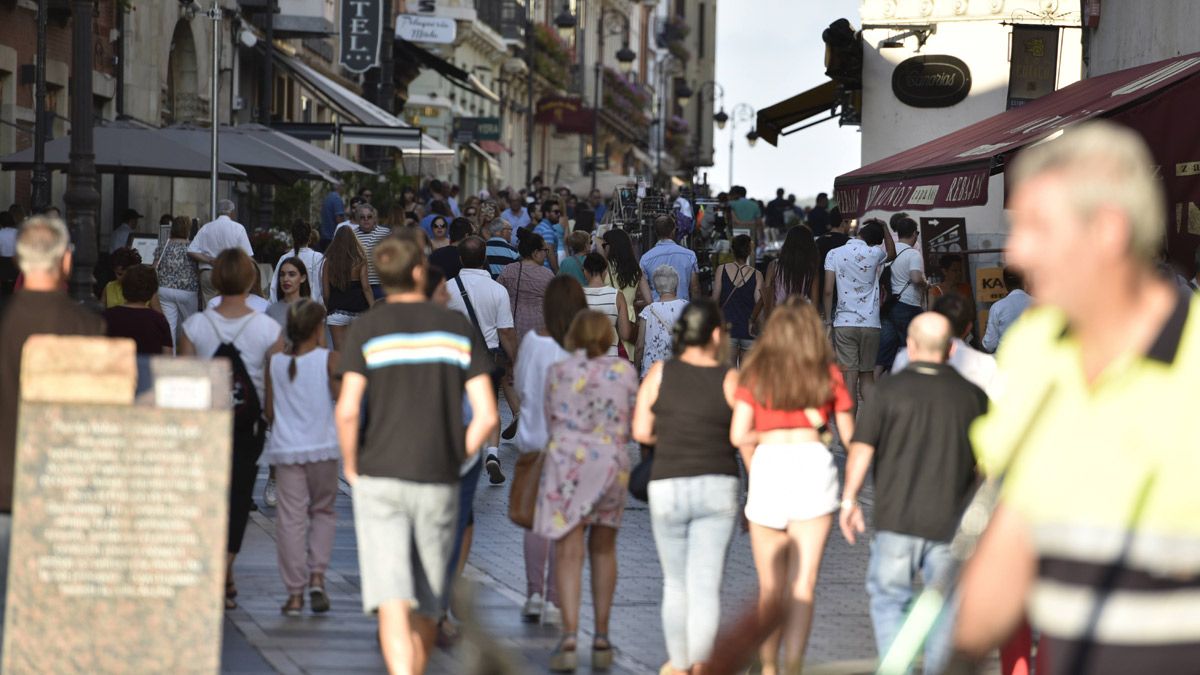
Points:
point(532, 610)
point(551, 615)
point(270, 495)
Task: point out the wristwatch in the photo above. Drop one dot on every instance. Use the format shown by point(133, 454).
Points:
point(848, 504)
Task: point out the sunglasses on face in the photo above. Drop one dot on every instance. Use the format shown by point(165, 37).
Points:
point(439, 226)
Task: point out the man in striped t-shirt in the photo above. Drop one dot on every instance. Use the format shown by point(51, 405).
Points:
point(370, 233)
point(414, 356)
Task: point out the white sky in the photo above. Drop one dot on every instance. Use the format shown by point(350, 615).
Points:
point(767, 51)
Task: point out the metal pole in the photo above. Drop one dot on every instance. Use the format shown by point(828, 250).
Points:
point(82, 199)
point(40, 179)
point(662, 97)
point(266, 201)
point(596, 97)
point(530, 44)
point(215, 14)
point(732, 135)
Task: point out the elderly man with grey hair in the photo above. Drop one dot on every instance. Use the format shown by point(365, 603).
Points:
point(40, 307)
point(370, 233)
point(656, 319)
point(212, 238)
point(499, 251)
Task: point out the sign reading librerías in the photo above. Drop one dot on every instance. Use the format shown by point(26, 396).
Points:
point(119, 512)
point(430, 29)
point(362, 32)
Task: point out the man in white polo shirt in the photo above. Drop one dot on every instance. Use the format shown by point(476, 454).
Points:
point(487, 306)
point(214, 237)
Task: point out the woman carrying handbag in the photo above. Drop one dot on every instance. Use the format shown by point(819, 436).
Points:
point(539, 350)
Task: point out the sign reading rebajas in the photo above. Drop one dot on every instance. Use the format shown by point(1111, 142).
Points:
point(362, 31)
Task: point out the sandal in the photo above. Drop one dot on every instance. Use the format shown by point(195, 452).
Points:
point(230, 595)
point(602, 652)
point(294, 605)
point(564, 659)
point(319, 599)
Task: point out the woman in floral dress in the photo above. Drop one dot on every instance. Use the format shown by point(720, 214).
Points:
point(589, 407)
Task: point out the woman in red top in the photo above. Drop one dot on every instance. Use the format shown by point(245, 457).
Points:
point(790, 389)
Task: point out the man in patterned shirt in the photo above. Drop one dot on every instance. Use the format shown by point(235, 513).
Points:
point(853, 270)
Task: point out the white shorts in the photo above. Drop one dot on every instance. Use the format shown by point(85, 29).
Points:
point(339, 318)
point(788, 482)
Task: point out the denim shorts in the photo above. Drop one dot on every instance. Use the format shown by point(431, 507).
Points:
point(405, 534)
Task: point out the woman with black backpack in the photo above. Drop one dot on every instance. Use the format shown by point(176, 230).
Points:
point(247, 338)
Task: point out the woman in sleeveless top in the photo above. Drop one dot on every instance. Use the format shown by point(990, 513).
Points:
point(684, 408)
point(346, 288)
point(606, 300)
point(738, 289)
point(794, 273)
point(789, 391)
point(625, 275)
point(303, 449)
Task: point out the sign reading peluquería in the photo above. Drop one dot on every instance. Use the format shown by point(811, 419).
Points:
point(361, 33)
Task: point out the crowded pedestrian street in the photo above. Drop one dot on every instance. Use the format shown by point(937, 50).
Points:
point(258, 640)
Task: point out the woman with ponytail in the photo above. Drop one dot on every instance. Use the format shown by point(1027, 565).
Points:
point(303, 449)
point(313, 261)
point(684, 408)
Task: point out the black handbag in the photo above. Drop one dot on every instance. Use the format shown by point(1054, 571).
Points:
point(639, 477)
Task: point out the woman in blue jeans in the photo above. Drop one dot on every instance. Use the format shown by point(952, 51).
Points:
point(684, 408)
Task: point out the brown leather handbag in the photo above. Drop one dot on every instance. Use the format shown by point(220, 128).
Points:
point(522, 499)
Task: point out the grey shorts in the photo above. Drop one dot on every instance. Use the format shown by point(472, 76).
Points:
point(405, 534)
point(856, 347)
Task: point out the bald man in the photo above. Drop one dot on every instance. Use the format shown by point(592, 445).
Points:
point(914, 430)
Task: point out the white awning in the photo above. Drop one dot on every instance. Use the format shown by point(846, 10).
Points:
point(492, 164)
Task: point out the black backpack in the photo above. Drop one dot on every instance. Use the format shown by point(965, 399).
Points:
point(247, 409)
point(890, 299)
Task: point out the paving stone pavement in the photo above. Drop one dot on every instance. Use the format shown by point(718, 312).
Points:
point(260, 640)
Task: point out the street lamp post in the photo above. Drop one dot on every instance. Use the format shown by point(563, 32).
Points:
point(741, 112)
point(82, 199)
point(625, 58)
point(266, 202)
point(41, 178)
point(214, 13)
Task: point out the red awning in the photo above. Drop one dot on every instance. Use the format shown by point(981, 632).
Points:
point(494, 148)
point(1159, 100)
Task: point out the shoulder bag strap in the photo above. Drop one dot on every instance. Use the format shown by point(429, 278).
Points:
point(660, 319)
point(470, 308)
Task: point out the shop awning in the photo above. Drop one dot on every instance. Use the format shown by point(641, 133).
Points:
point(772, 120)
point(347, 103)
point(1159, 100)
point(409, 52)
point(494, 148)
point(492, 165)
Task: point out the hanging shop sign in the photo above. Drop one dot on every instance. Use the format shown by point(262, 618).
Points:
point(427, 29)
point(989, 284)
point(1033, 68)
point(932, 81)
point(944, 235)
point(362, 31)
point(475, 129)
point(567, 114)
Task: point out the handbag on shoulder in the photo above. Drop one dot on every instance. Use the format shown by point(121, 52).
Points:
point(522, 498)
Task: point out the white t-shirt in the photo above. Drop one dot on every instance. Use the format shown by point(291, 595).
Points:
point(907, 259)
point(254, 302)
point(253, 335)
point(856, 269)
point(534, 358)
point(218, 235)
point(979, 368)
point(489, 299)
point(313, 262)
